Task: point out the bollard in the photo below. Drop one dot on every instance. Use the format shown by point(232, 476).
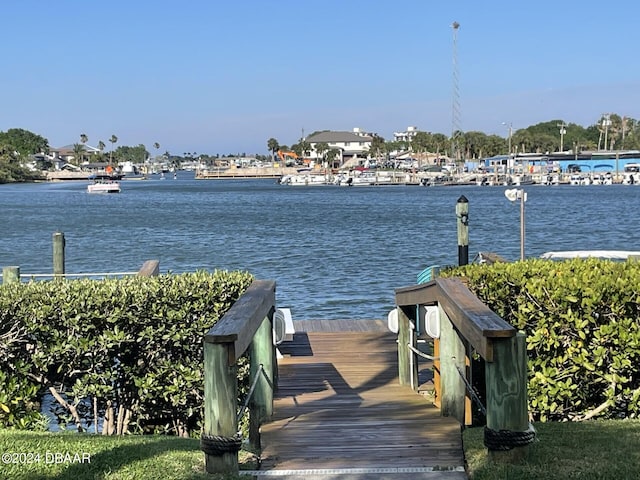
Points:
point(58, 253)
point(462, 214)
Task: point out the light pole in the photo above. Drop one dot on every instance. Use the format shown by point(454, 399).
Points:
point(510, 125)
point(563, 130)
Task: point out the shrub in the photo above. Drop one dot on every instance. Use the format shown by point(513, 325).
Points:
point(583, 331)
point(123, 354)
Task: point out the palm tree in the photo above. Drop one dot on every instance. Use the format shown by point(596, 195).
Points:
point(101, 146)
point(273, 146)
point(83, 139)
point(113, 140)
point(78, 150)
point(321, 148)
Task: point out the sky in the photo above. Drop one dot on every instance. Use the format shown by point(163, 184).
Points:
point(222, 76)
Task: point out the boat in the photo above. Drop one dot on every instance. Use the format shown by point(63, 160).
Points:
point(631, 174)
point(602, 254)
point(522, 179)
point(104, 184)
point(305, 179)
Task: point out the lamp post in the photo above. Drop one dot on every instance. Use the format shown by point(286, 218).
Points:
point(563, 130)
point(510, 125)
point(512, 195)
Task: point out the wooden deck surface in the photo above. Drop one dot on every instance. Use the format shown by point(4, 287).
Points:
point(339, 405)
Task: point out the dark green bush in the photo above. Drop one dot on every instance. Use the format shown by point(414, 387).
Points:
point(125, 354)
point(581, 318)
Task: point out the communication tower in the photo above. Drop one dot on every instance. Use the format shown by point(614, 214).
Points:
point(455, 103)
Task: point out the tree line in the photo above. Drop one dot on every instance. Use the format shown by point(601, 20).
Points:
point(610, 132)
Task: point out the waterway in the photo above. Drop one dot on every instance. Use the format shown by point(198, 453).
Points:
point(334, 252)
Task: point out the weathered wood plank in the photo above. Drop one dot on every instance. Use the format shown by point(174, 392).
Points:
point(242, 320)
point(343, 407)
point(10, 275)
point(452, 360)
point(220, 393)
point(150, 268)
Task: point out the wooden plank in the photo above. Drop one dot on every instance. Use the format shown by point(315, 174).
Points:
point(407, 370)
point(452, 359)
point(507, 394)
point(150, 268)
point(262, 358)
point(343, 407)
point(242, 320)
point(10, 275)
point(220, 405)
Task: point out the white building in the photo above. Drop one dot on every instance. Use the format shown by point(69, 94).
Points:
point(352, 145)
point(406, 136)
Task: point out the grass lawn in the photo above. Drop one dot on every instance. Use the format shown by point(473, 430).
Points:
point(110, 458)
point(595, 450)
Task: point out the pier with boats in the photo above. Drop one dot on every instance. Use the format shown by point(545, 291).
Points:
point(596, 168)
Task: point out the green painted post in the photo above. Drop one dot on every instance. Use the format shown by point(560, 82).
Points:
point(262, 352)
point(10, 275)
point(462, 215)
point(58, 253)
point(220, 404)
point(506, 380)
point(407, 368)
point(452, 361)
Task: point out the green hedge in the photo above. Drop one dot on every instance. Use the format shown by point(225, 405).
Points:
point(125, 354)
point(581, 318)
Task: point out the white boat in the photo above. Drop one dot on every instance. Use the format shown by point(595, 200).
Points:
point(576, 179)
point(631, 174)
point(603, 254)
point(305, 179)
point(104, 184)
point(524, 179)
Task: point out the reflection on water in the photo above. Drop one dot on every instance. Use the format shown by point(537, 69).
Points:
point(335, 252)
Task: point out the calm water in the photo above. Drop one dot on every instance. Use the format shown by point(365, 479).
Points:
point(335, 252)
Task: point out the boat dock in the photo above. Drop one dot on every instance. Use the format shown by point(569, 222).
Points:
point(340, 411)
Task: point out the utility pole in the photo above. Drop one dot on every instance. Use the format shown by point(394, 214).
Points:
point(563, 130)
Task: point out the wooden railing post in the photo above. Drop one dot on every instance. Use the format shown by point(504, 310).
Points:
point(246, 326)
point(407, 366)
point(452, 362)
point(150, 268)
point(58, 253)
point(220, 405)
point(262, 353)
point(506, 380)
point(10, 275)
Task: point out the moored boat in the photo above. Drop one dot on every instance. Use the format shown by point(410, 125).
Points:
point(104, 184)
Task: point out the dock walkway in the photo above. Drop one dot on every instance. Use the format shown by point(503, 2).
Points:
point(339, 411)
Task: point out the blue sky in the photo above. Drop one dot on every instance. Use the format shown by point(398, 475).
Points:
point(223, 77)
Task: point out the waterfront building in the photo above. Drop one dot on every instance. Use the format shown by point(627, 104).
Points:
point(405, 136)
point(352, 145)
point(567, 162)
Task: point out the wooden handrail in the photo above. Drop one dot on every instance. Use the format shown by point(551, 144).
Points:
point(240, 323)
point(474, 320)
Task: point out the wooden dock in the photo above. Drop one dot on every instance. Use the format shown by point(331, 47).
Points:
point(339, 409)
